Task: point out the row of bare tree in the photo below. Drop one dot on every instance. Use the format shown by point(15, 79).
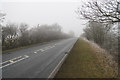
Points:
point(103, 18)
point(104, 35)
point(14, 35)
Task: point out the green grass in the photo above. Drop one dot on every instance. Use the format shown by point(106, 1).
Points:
point(82, 63)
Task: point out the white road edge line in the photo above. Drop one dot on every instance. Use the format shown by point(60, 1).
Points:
point(50, 76)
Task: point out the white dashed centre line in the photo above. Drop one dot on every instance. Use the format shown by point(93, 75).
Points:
point(35, 52)
point(45, 48)
point(42, 50)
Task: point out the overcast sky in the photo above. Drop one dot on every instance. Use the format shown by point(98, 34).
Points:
point(35, 12)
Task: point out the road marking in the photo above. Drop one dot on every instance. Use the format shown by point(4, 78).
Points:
point(38, 50)
point(35, 52)
point(49, 47)
point(44, 49)
point(26, 56)
point(12, 62)
point(53, 72)
point(55, 44)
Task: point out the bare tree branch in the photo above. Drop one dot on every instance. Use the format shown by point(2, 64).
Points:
point(99, 11)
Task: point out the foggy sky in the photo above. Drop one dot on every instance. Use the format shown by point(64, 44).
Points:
point(35, 12)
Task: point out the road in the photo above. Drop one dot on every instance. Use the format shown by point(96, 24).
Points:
point(35, 62)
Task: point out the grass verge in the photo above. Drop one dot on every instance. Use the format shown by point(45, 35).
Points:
point(83, 63)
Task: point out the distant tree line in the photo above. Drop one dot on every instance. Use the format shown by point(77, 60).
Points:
point(14, 35)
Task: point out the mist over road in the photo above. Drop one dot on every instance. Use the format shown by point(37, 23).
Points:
point(35, 62)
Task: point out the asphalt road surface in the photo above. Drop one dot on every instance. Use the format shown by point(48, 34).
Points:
point(35, 62)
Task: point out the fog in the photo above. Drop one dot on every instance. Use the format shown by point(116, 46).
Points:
point(34, 12)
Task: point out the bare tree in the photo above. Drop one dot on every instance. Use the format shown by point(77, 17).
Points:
point(104, 35)
point(23, 39)
point(96, 31)
point(104, 15)
point(9, 35)
point(100, 11)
